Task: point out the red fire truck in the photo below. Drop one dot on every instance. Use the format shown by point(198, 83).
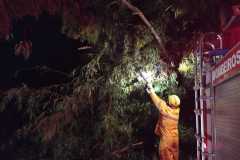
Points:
point(217, 91)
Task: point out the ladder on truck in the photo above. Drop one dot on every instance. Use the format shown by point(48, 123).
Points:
point(198, 88)
point(201, 69)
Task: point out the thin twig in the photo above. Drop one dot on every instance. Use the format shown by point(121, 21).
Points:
point(43, 68)
point(126, 148)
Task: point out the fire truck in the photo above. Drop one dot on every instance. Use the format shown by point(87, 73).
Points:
point(217, 90)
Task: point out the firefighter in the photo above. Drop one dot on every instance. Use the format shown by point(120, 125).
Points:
point(167, 125)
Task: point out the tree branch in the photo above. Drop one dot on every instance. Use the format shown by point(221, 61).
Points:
point(126, 148)
point(140, 14)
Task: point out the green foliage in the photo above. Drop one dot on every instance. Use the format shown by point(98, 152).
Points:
point(186, 67)
point(121, 95)
point(108, 97)
point(112, 105)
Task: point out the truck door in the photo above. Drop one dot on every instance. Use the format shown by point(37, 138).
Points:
point(227, 119)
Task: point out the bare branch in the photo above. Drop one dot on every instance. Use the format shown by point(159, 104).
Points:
point(140, 14)
point(118, 152)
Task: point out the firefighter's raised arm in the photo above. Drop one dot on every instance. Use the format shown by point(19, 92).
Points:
point(158, 102)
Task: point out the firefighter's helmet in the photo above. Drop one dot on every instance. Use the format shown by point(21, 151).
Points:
point(174, 100)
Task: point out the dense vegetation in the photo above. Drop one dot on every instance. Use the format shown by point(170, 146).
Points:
point(102, 110)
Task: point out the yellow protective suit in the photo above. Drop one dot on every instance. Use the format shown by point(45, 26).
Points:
point(167, 129)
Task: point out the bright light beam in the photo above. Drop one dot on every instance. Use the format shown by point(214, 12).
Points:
point(146, 76)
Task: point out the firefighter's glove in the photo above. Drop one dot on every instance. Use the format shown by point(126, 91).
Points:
point(149, 88)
